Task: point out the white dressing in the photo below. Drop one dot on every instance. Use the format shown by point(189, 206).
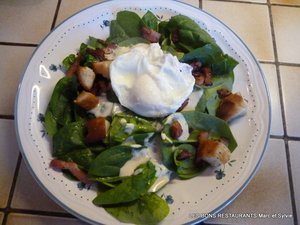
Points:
point(185, 128)
point(193, 100)
point(150, 153)
point(105, 108)
point(139, 157)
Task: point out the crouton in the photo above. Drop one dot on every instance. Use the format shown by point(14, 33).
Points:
point(231, 107)
point(102, 68)
point(214, 152)
point(86, 77)
point(86, 100)
point(96, 130)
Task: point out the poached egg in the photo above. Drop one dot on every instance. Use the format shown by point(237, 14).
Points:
point(149, 81)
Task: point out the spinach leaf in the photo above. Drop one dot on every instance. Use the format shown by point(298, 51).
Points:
point(148, 209)
point(88, 59)
point(94, 43)
point(225, 66)
point(210, 100)
point(172, 51)
point(109, 162)
point(69, 138)
point(50, 122)
point(208, 54)
point(150, 21)
point(212, 55)
point(164, 31)
point(68, 61)
point(190, 34)
point(130, 189)
point(127, 25)
point(125, 125)
point(198, 121)
point(82, 157)
point(184, 168)
point(132, 41)
point(61, 102)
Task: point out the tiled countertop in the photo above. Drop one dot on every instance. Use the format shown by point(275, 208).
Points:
point(271, 30)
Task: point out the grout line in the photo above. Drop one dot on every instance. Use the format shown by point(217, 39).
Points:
point(7, 117)
point(18, 44)
point(56, 14)
point(8, 209)
point(285, 137)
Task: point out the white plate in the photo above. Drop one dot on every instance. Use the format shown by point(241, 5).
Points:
point(193, 198)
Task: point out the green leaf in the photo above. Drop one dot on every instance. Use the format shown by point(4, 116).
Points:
point(68, 61)
point(62, 98)
point(186, 168)
point(197, 122)
point(50, 122)
point(148, 209)
point(132, 125)
point(150, 20)
point(132, 41)
point(208, 54)
point(127, 25)
point(94, 43)
point(130, 189)
point(190, 34)
point(82, 157)
point(109, 162)
point(69, 138)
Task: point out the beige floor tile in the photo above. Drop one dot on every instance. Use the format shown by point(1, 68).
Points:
point(249, 21)
point(290, 79)
point(286, 2)
point(9, 153)
point(255, 1)
point(29, 195)
point(294, 147)
point(1, 217)
point(19, 219)
point(12, 67)
point(268, 193)
point(286, 33)
point(271, 77)
point(191, 2)
point(69, 7)
point(31, 20)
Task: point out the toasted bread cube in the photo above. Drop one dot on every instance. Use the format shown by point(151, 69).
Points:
point(231, 107)
point(86, 77)
point(86, 100)
point(96, 130)
point(214, 152)
point(102, 68)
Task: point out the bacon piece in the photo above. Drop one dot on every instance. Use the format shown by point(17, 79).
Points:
point(176, 129)
point(74, 67)
point(184, 104)
point(175, 36)
point(110, 48)
point(184, 155)
point(73, 168)
point(150, 35)
point(207, 74)
point(98, 53)
point(223, 92)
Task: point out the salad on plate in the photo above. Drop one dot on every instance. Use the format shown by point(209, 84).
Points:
point(150, 102)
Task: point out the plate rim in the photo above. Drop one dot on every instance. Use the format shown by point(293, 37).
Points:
point(218, 209)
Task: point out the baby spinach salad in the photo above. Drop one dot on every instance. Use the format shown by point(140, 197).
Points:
point(130, 197)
